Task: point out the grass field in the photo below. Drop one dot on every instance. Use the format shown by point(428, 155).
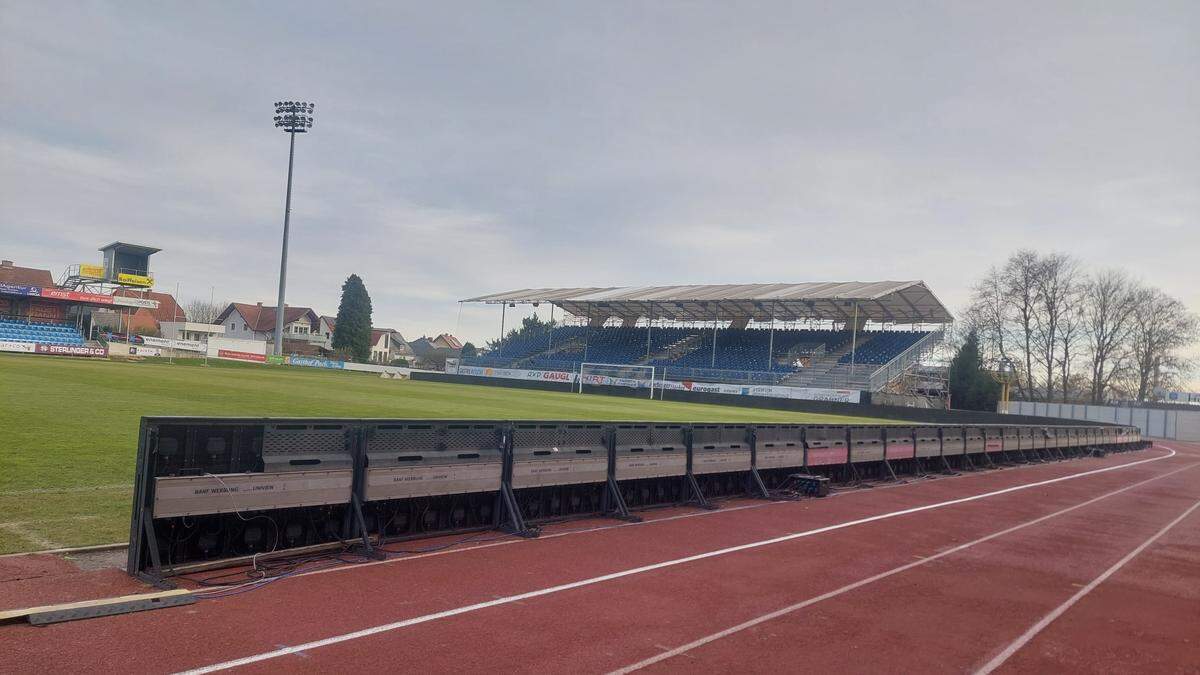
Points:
point(68, 427)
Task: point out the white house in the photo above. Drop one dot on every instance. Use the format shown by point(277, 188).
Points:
point(387, 345)
point(325, 327)
point(257, 322)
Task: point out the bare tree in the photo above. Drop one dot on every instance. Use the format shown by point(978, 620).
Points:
point(1109, 298)
point(1161, 327)
point(203, 311)
point(989, 316)
point(1071, 333)
point(1020, 277)
point(1054, 281)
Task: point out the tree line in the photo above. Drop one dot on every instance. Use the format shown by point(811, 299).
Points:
point(1073, 334)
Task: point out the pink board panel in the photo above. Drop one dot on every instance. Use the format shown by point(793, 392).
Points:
point(819, 456)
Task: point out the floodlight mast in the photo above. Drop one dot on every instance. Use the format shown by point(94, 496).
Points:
point(294, 117)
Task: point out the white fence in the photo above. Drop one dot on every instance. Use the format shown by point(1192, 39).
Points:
point(1178, 425)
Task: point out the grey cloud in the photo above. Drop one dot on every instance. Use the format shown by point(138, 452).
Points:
point(480, 146)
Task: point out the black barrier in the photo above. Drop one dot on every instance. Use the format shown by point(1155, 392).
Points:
point(865, 408)
point(211, 492)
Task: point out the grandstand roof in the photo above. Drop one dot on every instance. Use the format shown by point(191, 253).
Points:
point(882, 301)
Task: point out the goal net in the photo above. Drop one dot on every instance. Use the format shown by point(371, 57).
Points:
point(616, 375)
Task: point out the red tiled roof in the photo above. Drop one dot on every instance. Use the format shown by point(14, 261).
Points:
point(261, 318)
point(26, 276)
point(377, 332)
point(451, 341)
point(168, 308)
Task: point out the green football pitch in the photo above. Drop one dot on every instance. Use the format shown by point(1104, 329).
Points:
point(68, 427)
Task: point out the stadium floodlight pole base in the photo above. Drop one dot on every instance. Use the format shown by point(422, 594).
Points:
point(617, 508)
point(698, 494)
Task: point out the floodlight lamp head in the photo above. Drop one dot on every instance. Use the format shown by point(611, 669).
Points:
point(294, 116)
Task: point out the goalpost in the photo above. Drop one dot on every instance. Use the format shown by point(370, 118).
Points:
point(617, 375)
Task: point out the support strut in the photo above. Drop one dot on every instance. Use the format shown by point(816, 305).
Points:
point(515, 522)
point(757, 486)
point(888, 466)
point(616, 507)
point(697, 494)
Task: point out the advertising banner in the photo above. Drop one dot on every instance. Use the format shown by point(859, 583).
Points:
point(24, 347)
point(275, 359)
point(18, 289)
point(134, 302)
point(145, 351)
point(186, 345)
point(91, 271)
point(241, 356)
point(72, 350)
point(315, 362)
point(134, 280)
point(772, 391)
point(93, 298)
point(77, 296)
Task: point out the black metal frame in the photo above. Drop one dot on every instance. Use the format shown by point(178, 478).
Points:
point(144, 560)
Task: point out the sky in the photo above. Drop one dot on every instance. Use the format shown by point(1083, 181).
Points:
point(467, 148)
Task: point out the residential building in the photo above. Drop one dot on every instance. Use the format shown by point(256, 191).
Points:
point(447, 341)
point(325, 327)
point(301, 326)
point(387, 345)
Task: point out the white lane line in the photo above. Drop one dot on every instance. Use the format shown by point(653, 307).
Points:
point(1036, 628)
point(375, 630)
point(671, 653)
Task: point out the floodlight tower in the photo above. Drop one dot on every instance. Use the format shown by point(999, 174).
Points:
point(294, 117)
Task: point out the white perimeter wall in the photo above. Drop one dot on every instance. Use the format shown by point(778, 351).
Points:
point(1179, 425)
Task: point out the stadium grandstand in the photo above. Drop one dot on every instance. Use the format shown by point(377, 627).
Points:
point(40, 316)
point(847, 335)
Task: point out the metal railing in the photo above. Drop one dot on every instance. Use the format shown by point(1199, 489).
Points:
point(893, 369)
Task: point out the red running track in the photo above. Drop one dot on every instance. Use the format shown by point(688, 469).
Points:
point(943, 575)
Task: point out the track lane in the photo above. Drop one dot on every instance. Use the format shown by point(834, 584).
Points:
point(730, 571)
point(1142, 619)
point(287, 612)
point(953, 615)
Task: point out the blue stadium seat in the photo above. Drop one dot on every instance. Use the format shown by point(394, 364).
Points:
point(20, 330)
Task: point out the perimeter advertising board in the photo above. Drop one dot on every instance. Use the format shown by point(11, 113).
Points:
point(241, 356)
point(21, 347)
point(802, 393)
point(186, 345)
point(72, 350)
